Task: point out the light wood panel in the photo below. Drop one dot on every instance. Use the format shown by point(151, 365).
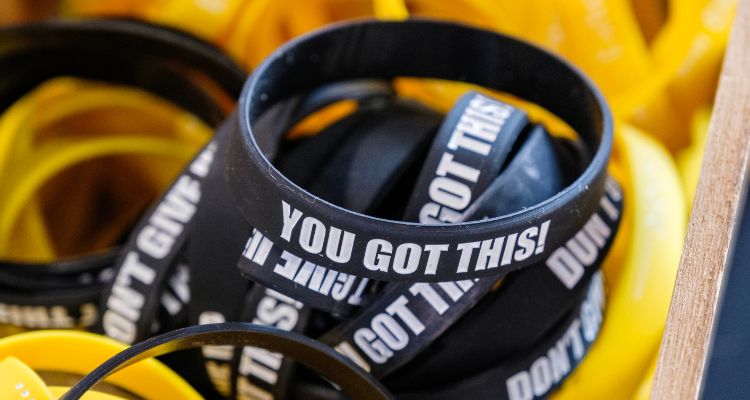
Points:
point(713, 224)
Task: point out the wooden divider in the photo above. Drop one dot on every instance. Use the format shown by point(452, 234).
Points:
point(713, 225)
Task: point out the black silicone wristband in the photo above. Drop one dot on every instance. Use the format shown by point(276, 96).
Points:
point(173, 65)
point(396, 129)
point(309, 352)
point(278, 207)
point(535, 374)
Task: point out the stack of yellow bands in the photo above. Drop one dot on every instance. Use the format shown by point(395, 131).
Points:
point(80, 160)
point(657, 62)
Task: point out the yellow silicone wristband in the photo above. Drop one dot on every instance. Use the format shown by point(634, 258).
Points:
point(80, 352)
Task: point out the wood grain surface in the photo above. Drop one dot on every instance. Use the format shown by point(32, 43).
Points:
point(713, 225)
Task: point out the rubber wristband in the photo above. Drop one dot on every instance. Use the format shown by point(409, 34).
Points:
point(50, 310)
point(399, 132)
point(78, 153)
point(272, 147)
point(230, 175)
point(150, 254)
point(302, 158)
point(523, 311)
point(363, 91)
point(148, 258)
point(460, 167)
point(475, 172)
point(271, 372)
point(422, 312)
point(356, 188)
point(536, 374)
point(315, 355)
point(39, 280)
point(175, 66)
point(120, 51)
point(212, 257)
point(446, 321)
point(218, 224)
point(279, 210)
point(380, 122)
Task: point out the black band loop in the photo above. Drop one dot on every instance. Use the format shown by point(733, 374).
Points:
point(320, 358)
point(281, 210)
point(162, 61)
point(180, 68)
point(473, 168)
point(535, 374)
point(396, 129)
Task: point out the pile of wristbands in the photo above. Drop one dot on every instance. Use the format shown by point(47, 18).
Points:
point(388, 207)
